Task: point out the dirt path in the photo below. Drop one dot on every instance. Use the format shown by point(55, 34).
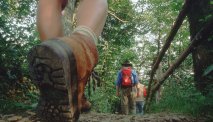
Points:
point(30, 116)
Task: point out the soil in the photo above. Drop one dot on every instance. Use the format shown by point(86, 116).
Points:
point(30, 116)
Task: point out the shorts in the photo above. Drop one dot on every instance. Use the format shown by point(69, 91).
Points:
point(64, 4)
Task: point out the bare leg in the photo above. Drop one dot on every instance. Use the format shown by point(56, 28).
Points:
point(49, 19)
point(58, 65)
point(92, 13)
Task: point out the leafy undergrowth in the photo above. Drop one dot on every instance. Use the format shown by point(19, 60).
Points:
point(184, 100)
point(17, 98)
point(175, 99)
point(12, 107)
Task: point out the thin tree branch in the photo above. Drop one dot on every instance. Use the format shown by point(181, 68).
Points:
point(169, 39)
point(116, 17)
point(203, 34)
point(97, 77)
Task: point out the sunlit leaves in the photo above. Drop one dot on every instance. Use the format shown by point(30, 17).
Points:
point(119, 28)
point(17, 33)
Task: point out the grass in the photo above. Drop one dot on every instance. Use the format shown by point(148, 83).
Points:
point(8, 106)
point(189, 101)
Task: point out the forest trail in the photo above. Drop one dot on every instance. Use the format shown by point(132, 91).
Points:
point(30, 116)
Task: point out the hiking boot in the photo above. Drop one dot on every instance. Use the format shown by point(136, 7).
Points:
point(86, 105)
point(60, 68)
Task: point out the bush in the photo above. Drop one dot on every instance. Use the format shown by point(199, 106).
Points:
point(17, 97)
point(187, 100)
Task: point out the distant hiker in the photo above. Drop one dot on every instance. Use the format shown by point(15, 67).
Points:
point(126, 87)
point(140, 99)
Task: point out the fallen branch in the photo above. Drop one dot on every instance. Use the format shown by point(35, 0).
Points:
point(169, 39)
point(203, 34)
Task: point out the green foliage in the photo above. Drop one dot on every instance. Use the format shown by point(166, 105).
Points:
point(104, 99)
point(120, 27)
point(133, 31)
point(17, 30)
point(11, 106)
point(208, 70)
point(184, 98)
point(149, 22)
point(17, 35)
point(22, 97)
point(207, 108)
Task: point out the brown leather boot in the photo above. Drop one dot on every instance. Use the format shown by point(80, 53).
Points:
point(86, 105)
point(60, 68)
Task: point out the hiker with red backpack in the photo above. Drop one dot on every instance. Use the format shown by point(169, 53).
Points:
point(140, 99)
point(126, 83)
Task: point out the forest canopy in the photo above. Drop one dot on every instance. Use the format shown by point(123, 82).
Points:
point(134, 30)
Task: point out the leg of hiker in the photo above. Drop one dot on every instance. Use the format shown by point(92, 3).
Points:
point(139, 107)
point(132, 104)
point(91, 15)
point(58, 64)
point(49, 15)
point(124, 101)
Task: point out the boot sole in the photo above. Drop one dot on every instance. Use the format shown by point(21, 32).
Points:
point(53, 69)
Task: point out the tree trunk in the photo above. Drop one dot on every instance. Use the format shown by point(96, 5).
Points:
point(159, 74)
point(200, 13)
point(69, 17)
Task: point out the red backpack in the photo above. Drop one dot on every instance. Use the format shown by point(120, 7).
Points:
point(144, 91)
point(126, 76)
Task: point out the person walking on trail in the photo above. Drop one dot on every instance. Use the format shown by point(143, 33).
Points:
point(126, 83)
point(140, 99)
point(60, 65)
